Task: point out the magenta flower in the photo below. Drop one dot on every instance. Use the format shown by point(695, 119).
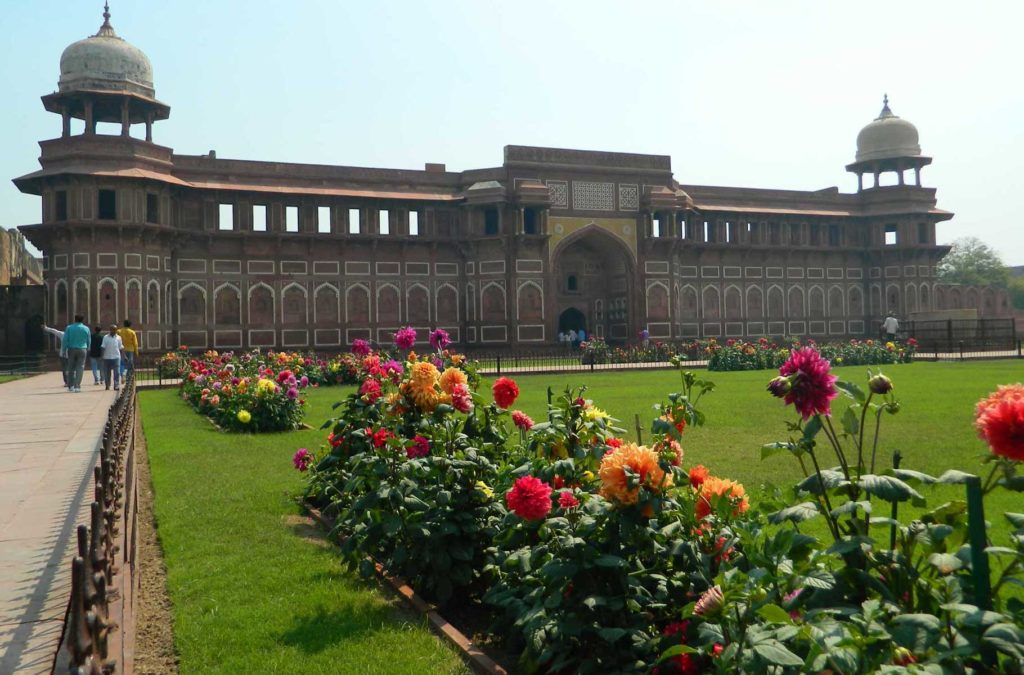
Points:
point(304, 381)
point(293, 393)
point(522, 420)
point(420, 447)
point(566, 500)
point(405, 338)
point(394, 370)
point(439, 339)
point(462, 400)
point(360, 347)
point(302, 459)
point(812, 385)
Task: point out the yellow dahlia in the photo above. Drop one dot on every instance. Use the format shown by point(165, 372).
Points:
point(641, 461)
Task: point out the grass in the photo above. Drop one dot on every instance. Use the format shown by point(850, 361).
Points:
point(252, 594)
point(934, 429)
point(252, 590)
point(10, 378)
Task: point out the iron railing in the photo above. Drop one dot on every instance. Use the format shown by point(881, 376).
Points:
point(106, 548)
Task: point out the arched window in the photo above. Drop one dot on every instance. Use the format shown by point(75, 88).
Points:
point(571, 284)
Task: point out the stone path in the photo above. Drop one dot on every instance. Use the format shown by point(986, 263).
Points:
point(49, 444)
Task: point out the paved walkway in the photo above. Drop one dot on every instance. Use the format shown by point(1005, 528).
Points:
point(49, 444)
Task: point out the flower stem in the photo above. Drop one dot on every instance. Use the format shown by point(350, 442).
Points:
point(874, 445)
point(828, 505)
point(860, 439)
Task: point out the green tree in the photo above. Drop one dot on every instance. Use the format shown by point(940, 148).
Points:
point(973, 262)
point(1017, 292)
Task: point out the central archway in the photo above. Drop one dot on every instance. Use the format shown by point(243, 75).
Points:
point(593, 271)
point(571, 319)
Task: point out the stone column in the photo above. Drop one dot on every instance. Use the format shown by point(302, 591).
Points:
point(125, 119)
point(917, 176)
point(860, 182)
point(149, 127)
point(65, 122)
point(90, 125)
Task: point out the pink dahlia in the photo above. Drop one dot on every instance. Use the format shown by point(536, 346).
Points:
point(462, 400)
point(405, 338)
point(302, 459)
point(420, 447)
point(360, 347)
point(813, 386)
point(284, 376)
point(529, 498)
point(370, 390)
point(439, 339)
point(522, 420)
point(999, 419)
point(710, 603)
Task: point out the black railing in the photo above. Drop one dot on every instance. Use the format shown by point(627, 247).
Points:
point(105, 547)
point(970, 335)
point(22, 364)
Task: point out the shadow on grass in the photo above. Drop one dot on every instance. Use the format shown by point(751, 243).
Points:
point(328, 627)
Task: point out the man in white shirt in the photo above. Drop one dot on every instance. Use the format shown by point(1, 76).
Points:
point(112, 346)
point(59, 334)
point(890, 326)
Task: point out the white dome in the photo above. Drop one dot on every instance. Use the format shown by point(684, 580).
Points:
point(887, 137)
point(106, 62)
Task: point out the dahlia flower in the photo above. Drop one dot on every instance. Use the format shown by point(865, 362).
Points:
point(302, 459)
point(566, 500)
point(244, 416)
point(420, 447)
point(529, 498)
point(710, 602)
point(360, 347)
point(812, 386)
point(405, 338)
point(380, 437)
point(451, 377)
point(641, 461)
point(999, 419)
point(715, 489)
point(522, 420)
point(462, 400)
point(880, 384)
point(698, 475)
point(439, 339)
point(370, 390)
point(505, 391)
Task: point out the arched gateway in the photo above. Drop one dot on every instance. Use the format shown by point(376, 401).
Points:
point(594, 284)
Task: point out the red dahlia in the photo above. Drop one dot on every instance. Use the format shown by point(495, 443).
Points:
point(813, 386)
point(506, 391)
point(529, 498)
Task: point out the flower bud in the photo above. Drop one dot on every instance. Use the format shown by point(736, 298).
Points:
point(901, 656)
point(780, 386)
point(880, 384)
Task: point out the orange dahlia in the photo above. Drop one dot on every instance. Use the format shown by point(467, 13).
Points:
point(640, 461)
point(451, 377)
point(713, 490)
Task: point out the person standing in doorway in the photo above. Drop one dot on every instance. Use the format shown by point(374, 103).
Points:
point(96, 355)
point(890, 327)
point(112, 346)
point(77, 339)
point(131, 347)
point(62, 351)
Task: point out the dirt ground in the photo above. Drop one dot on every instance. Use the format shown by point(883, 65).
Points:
point(154, 631)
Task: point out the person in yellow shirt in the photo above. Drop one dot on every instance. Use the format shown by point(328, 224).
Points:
point(131, 347)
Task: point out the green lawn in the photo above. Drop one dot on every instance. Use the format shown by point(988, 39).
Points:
point(9, 378)
point(252, 593)
point(933, 430)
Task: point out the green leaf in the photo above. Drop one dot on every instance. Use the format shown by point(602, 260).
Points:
point(851, 423)
point(1015, 483)
point(954, 477)
point(909, 474)
point(610, 561)
point(829, 480)
point(889, 488)
point(676, 651)
point(1006, 638)
point(850, 509)
point(774, 614)
point(812, 428)
point(776, 448)
point(612, 634)
point(794, 514)
point(776, 653)
point(852, 390)
point(1016, 519)
point(819, 578)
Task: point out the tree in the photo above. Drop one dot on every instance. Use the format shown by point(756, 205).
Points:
point(1017, 292)
point(972, 262)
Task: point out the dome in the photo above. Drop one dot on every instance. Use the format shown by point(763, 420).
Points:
point(887, 137)
point(106, 62)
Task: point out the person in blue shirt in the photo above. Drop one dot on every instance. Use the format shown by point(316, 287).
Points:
point(77, 340)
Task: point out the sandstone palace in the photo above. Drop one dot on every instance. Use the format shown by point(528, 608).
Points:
point(221, 253)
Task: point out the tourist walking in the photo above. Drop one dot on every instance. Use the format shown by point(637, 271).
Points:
point(890, 327)
point(77, 340)
point(96, 355)
point(112, 346)
point(62, 351)
point(131, 347)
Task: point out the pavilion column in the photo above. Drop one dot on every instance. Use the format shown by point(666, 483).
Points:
point(125, 119)
point(917, 176)
point(90, 124)
point(65, 122)
point(149, 127)
point(899, 170)
point(520, 220)
point(860, 182)
point(876, 178)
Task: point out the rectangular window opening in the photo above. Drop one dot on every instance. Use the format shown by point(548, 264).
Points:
point(922, 233)
point(61, 210)
point(656, 227)
point(730, 236)
point(834, 235)
point(226, 217)
point(490, 221)
point(323, 219)
point(354, 226)
point(529, 221)
point(384, 221)
point(890, 235)
point(291, 219)
point(709, 232)
point(107, 207)
point(682, 228)
point(414, 223)
point(259, 218)
point(152, 208)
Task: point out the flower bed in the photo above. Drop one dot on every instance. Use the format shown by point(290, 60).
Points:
point(598, 555)
point(248, 392)
point(764, 354)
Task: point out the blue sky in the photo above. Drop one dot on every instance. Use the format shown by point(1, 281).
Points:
point(759, 94)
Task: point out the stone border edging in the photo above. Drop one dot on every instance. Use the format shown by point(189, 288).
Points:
point(478, 660)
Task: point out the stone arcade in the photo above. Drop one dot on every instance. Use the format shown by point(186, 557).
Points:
point(222, 253)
